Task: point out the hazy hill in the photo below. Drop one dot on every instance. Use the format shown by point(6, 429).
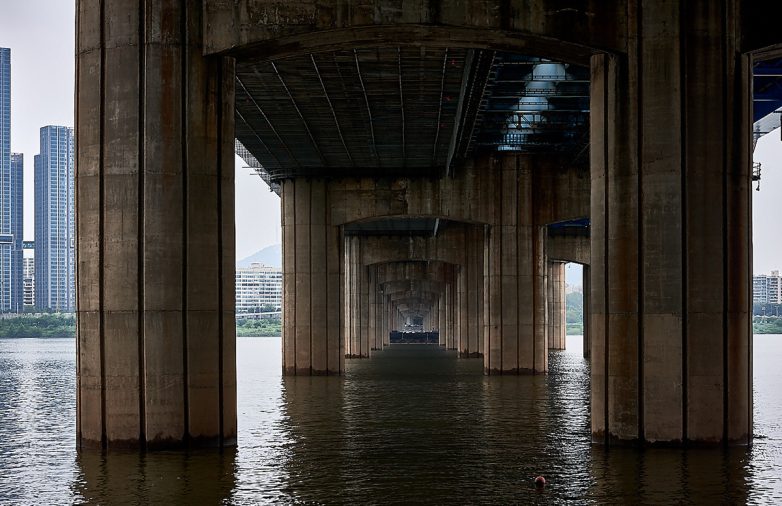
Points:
point(270, 255)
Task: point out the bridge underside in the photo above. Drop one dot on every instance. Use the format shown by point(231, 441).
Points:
point(437, 166)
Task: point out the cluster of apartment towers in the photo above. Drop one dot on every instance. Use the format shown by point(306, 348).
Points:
point(45, 281)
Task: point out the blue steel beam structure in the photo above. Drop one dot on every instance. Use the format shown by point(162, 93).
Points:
point(766, 97)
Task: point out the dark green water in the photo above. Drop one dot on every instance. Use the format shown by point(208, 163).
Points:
point(413, 425)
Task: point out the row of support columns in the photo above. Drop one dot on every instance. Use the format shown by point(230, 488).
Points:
point(670, 260)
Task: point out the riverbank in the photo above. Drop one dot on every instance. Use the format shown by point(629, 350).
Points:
point(39, 325)
point(766, 325)
point(259, 328)
point(42, 325)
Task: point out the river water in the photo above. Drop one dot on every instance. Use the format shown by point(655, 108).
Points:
point(415, 424)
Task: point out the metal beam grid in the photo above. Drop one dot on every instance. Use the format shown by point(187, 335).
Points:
point(533, 105)
point(766, 87)
point(375, 112)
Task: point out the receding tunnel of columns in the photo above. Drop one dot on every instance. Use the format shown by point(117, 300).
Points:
point(407, 116)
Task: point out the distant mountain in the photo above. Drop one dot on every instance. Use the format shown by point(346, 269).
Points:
point(270, 255)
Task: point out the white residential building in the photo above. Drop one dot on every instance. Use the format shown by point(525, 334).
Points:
point(258, 286)
point(767, 289)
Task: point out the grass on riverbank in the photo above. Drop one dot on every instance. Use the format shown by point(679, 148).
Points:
point(258, 328)
point(39, 325)
point(765, 325)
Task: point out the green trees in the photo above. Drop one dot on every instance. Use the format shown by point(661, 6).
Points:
point(574, 313)
point(39, 325)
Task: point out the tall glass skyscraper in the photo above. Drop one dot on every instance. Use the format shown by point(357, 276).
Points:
point(11, 191)
point(55, 287)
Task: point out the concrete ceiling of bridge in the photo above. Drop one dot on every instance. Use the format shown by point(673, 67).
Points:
point(398, 226)
point(404, 111)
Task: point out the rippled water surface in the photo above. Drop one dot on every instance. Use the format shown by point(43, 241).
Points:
point(414, 424)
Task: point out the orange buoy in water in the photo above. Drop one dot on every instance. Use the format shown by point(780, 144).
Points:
point(540, 482)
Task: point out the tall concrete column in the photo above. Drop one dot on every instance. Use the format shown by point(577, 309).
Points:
point(671, 231)
point(555, 306)
point(442, 311)
point(451, 308)
point(311, 339)
point(356, 299)
point(375, 311)
point(471, 295)
point(155, 222)
point(386, 321)
point(515, 306)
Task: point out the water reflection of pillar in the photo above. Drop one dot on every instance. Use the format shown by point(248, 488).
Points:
point(696, 475)
point(205, 477)
point(316, 440)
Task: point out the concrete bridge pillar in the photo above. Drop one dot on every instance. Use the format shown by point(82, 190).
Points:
point(555, 306)
point(357, 343)
point(671, 231)
point(471, 295)
point(451, 308)
point(586, 293)
point(375, 310)
point(311, 281)
point(515, 335)
point(434, 315)
point(155, 218)
point(442, 312)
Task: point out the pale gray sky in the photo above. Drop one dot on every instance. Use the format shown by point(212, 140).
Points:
point(40, 34)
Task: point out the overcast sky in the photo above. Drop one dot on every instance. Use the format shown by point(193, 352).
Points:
point(40, 34)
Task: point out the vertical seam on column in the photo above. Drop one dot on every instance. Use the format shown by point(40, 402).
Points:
point(641, 309)
point(683, 20)
point(102, 226)
point(518, 270)
point(295, 273)
point(500, 256)
point(140, 225)
point(340, 301)
point(220, 307)
point(184, 146)
point(309, 233)
point(606, 186)
point(746, 160)
point(533, 266)
point(725, 258)
point(326, 243)
point(76, 205)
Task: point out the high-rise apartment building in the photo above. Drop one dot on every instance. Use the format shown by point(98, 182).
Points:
point(11, 191)
point(29, 281)
point(54, 221)
point(258, 286)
